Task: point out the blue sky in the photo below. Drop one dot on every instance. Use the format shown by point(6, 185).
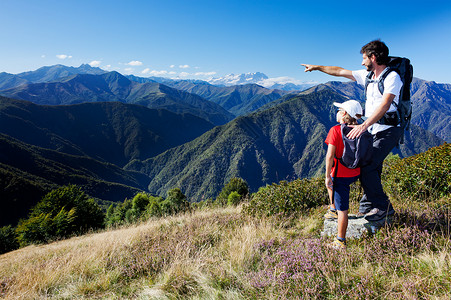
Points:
point(200, 39)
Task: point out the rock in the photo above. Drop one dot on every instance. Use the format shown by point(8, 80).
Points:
point(356, 226)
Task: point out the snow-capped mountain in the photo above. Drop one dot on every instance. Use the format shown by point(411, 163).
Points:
point(233, 79)
point(281, 83)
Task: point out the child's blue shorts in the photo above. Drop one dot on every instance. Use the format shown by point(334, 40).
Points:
point(341, 191)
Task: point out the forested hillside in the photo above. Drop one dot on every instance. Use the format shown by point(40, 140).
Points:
point(110, 131)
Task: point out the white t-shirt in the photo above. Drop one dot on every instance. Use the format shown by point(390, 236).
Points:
point(392, 85)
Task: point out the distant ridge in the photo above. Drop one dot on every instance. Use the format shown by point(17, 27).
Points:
point(45, 74)
point(431, 100)
point(238, 99)
point(112, 86)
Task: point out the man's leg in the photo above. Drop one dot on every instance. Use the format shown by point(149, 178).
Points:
point(370, 176)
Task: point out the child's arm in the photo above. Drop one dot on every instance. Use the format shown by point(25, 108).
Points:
point(329, 163)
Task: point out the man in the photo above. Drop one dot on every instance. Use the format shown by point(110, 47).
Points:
point(374, 204)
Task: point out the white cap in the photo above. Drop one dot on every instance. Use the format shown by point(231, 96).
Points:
point(352, 107)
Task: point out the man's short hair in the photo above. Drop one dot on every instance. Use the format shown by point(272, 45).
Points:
point(379, 49)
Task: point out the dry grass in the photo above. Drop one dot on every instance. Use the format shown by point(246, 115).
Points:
point(222, 254)
point(194, 247)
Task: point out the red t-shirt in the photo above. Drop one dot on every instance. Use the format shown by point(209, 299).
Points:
point(334, 138)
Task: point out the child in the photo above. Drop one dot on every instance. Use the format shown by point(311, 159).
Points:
point(338, 181)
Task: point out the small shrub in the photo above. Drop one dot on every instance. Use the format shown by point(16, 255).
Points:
point(235, 185)
point(288, 198)
point(61, 213)
point(8, 240)
point(175, 202)
point(423, 176)
point(153, 209)
point(234, 198)
point(118, 214)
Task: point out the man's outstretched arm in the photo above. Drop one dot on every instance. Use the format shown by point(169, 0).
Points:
point(334, 71)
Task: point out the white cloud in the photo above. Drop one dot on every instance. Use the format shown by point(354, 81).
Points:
point(205, 73)
point(172, 66)
point(281, 80)
point(135, 63)
point(63, 56)
point(107, 67)
point(95, 63)
point(184, 66)
point(184, 74)
point(156, 73)
point(128, 70)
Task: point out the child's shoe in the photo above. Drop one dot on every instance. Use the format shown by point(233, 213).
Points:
point(331, 215)
point(337, 244)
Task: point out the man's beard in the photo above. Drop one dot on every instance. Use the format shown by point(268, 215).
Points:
point(369, 68)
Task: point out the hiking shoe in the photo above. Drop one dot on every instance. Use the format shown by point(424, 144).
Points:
point(331, 215)
point(377, 214)
point(360, 214)
point(337, 244)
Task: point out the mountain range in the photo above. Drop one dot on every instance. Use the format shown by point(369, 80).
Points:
point(112, 86)
point(45, 74)
point(224, 103)
point(115, 135)
point(237, 99)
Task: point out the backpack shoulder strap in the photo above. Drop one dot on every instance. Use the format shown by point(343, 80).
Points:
point(382, 77)
point(381, 80)
point(367, 81)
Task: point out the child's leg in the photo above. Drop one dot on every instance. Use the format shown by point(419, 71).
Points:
point(331, 202)
point(341, 196)
point(342, 223)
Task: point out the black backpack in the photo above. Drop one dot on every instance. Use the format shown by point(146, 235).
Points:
point(403, 114)
point(357, 152)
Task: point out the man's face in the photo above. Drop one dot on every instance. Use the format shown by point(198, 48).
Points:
point(367, 62)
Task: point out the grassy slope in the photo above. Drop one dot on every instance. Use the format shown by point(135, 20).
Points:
point(222, 253)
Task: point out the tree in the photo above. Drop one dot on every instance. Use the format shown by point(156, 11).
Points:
point(175, 202)
point(154, 207)
point(8, 240)
point(235, 185)
point(61, 213)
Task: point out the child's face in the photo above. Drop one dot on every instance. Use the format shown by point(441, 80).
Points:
point(340, 114)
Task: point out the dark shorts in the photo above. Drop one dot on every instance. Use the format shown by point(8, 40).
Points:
point(341, 191)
